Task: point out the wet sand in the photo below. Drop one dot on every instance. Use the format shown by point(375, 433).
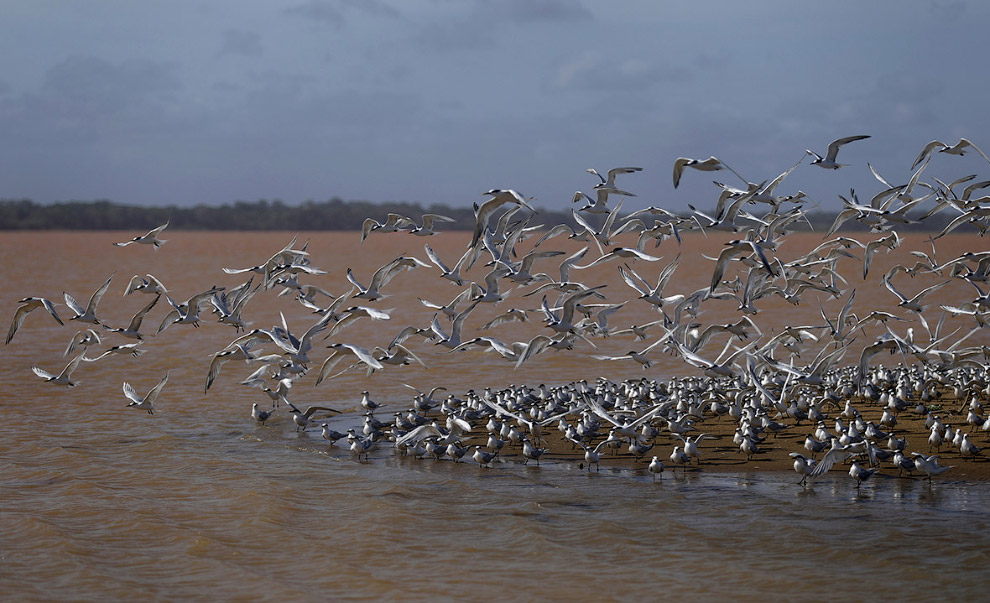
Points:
point(720, 454)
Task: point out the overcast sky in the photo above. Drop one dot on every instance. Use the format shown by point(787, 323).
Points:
point(209, 101)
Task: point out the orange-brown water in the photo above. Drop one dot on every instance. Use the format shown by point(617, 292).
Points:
point(198, 501)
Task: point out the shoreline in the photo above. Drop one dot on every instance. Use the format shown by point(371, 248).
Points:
point(719, 453)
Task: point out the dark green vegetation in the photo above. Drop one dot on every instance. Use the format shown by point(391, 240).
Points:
point(334, 214)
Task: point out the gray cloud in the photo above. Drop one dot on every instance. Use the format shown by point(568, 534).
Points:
point(337, 12)
point(244, 43)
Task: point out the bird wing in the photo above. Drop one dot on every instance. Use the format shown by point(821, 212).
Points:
point(131, 394)
point(42, 373)
point(73, 304)
point(833, 147)
point(833, 456)
point(927, 151)
point(97, 296)
point(153, 394)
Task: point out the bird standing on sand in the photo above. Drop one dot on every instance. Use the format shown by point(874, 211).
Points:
point(656, 468)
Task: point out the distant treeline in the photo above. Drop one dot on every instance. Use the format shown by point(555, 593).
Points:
point(334, 214)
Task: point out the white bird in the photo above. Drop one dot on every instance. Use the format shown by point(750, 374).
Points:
point(63, 378)
point(828, 161)
point(148, 401)
point(967, 448)
point(691, 445)
point(393, 223)
point(609, 183)
point(656, 468)
point(383, 275)
point(456, 452)
point(639, 356)
point(133, 329)
point(360, 445)
point(83, 338)
point(712, 164)
point(145, 285)
point(451, 274)
point(366, 401)
point(260, 415)
point(499, 197)
point(929, 465)
point(957, 149)
point(483, 457)
point(151, 238)
point(860, 474)
point(593, 456)
point(27, 305)
point(531, 452)
point(620, 252)
point(188, 311)
point(426, 228)
point(87, 314)
point(732, 249)
point(341, 350)
point(836, 454)
point(126, 348)
point(803, 466)
point(677, 457)
point(331, 435)
point(302, 419)
point(915, 303)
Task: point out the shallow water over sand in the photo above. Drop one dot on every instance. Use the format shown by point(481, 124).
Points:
point(198, 501)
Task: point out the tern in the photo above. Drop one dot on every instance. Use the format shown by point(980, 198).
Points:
point(712, 164)
point(959, 148)
point(803, 466)
point(531, 452)
point(656, 468)
point(63, 378)
point(426, 228)
point(915, 303)
point(126, 348)
point(148, 401)
point(483, 457)
point(929, 465)
point(302, 418)
point(260, 415)
point(383, 275)
point(83, 338)
point(87, 314)
point(342, 350)
point(499, 197)
point(828, 161)
point(145, 285)
point(860, 474)
point(28, 305)
point(188, 311)
point(331, 435)
point(132, 330)
point(451, 274)
point(393, 223)
point(151, 238)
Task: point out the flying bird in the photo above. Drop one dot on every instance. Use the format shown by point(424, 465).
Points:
point(828, 161)
point(28, 305)
point(712, 164)
point(87, 314)
point(148, 401)
point(151, 238)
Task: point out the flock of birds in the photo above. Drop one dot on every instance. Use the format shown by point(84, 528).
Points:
point(761, 381)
